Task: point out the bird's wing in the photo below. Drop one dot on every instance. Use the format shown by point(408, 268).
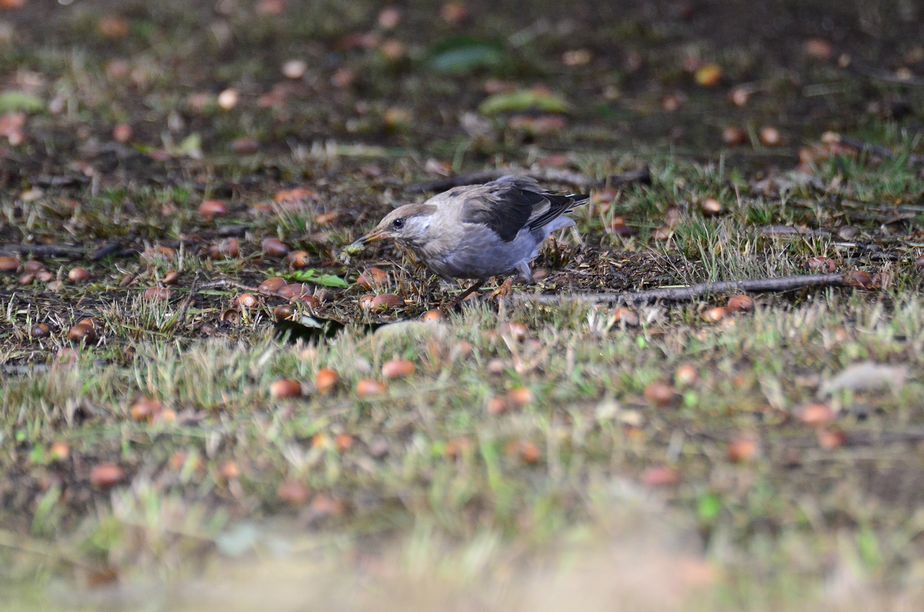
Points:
point(512, 203)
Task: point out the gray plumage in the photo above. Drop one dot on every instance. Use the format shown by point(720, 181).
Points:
point(480, 231)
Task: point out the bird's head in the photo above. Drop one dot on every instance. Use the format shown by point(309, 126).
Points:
point(408, 225)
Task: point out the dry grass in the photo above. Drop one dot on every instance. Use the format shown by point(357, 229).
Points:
point(526, 462)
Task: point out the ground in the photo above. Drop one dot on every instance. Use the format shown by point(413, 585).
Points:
point(187, 447)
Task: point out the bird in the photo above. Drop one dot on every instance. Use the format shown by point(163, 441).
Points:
point(476, 232)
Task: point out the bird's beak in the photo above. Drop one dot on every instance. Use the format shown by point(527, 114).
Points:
point(373, 236)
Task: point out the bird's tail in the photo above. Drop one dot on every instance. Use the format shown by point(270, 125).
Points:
point(577, 199)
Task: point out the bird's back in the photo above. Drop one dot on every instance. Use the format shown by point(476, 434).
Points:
point(511, 204)
point(491, 228)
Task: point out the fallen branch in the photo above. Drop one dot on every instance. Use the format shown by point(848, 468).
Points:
point(580, 181)
point(184, 309)
point(788, 230)
point(110, 248)
point(225, 283)
point(42, 251)
point(884, 76)
point(692, 292)
point(875, 150)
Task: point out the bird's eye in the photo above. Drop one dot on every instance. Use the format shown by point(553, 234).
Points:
point(397, 223)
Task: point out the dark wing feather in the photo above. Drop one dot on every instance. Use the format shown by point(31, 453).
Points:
point(511, 204)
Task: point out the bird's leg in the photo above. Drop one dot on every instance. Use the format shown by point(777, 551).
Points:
point(504, 290)
point(525, 272)
point(468, 292)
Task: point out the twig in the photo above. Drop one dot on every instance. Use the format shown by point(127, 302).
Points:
point(642, 176)
point(189, 298)
point(16, 542)
point(680, 294)
point(875, 150)
point(24, 370)
point(45, 250)
point(788, 230)
point(881, 75)
point(226, 231)
point(224, 283)
point(110, 248)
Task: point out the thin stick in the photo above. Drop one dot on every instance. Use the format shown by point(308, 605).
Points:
point(642, 176)
point(881, 75)
point(875, 150)
point(225, 283)
point(681, 294)
point(788, 230)
point(189, 298)
point(110, 248)
point(45, 250)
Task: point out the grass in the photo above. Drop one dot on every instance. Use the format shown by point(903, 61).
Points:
point(584, 484)
point(429, 454)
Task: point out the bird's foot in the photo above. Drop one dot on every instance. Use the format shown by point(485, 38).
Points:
point(467, 295)
point(504, 289)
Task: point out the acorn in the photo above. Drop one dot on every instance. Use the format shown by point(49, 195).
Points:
point(40, 330)
point(298, 260)
point(145, 409)
point(660, 394)
point(9, 264)
point(398, 368)
point(371, 278)
point(367, 387)
point(326, 380)
point(209, 209)
point(816, 414)
point(273, 247)
point(285, 388)
point(228, 99)
point(714, 315)
point(740, 303)
point(432, 316)
point(283, 312)
point(272, 285)
point(82, 332)
point(711, 207)
point(734, 136)
point(228, 248)
point(247, 301)
point(770, 136)
point(106, 475)
point(686, 375)
point(709, 75)
point(78, 275)
point(386, 301)
point(156, 294)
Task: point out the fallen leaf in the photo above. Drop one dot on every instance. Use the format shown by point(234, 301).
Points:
point(464, 55)
point(866, 376)
point(20, 101)
point(524, 100)
point(312, 276)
